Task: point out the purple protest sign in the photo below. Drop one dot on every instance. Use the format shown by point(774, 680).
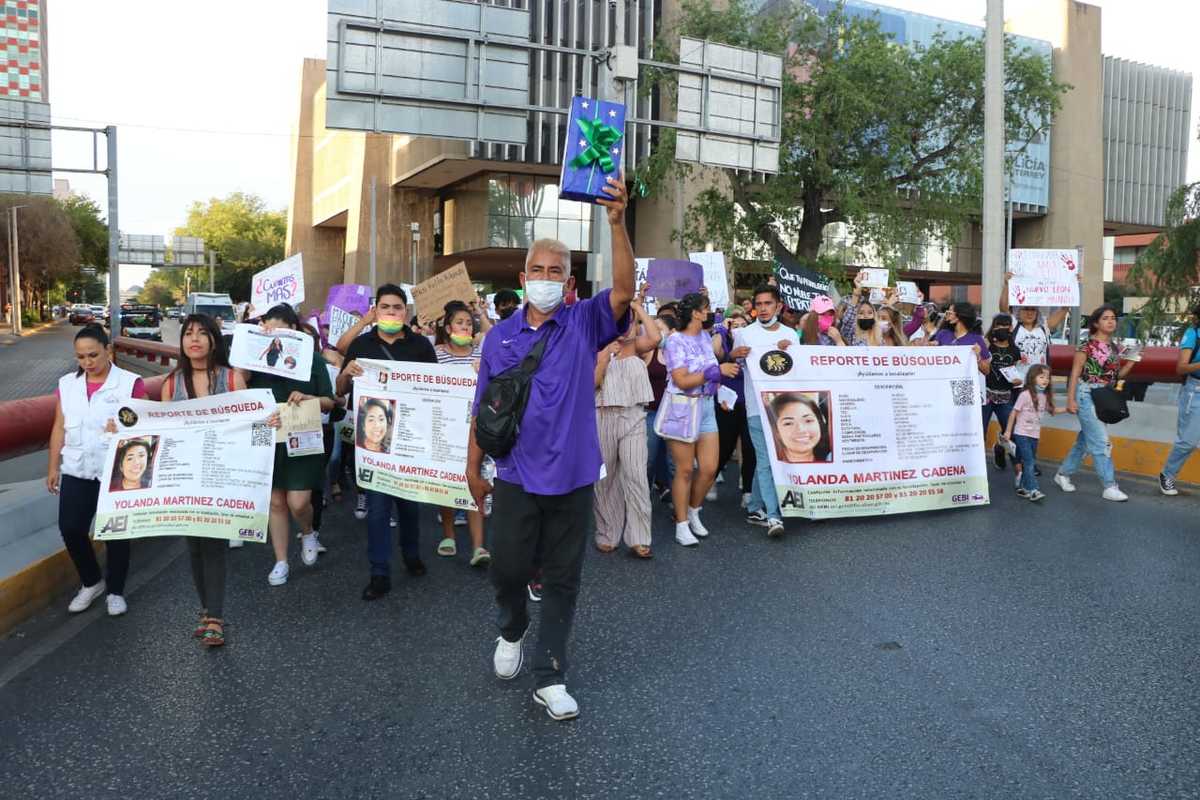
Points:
point(346, 302)
point(671, 279)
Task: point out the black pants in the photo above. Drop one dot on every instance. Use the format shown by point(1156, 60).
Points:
point(560, 525)
point(208, 572)
point(731, 426)
point(76, 508)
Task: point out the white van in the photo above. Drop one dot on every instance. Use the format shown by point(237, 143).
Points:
point(216, 305)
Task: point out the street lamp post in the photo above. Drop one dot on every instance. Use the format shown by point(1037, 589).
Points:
point(14, 269)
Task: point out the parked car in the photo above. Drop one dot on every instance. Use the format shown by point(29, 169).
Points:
point(81, 315)
point(217, 305)
point(175, 312)
point(141, 322)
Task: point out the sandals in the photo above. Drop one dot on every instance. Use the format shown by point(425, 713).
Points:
point(480, 557)
point(211, 632)
point(605, 548)
point(641, 551)
point(447, 547)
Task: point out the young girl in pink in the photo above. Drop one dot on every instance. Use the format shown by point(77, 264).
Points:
point(1025, 426)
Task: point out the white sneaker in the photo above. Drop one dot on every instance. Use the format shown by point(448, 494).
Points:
point(1115, 494)
point(745, 499)
point(308, 549)
point(774, 527)
point(279, 574)
point(235, 543)
point(509, 656)
point(720, 478)
point(683, 535)
point(320, 547)
point(696, 525)
point(85, 596)
point(711, 494)
point(1064, 482)
point(360, 506)
point(116, 605)
point(558, 704)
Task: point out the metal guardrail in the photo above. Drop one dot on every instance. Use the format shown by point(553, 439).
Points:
point(25, 424)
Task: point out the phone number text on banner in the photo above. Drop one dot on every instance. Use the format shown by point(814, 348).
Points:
point(411, 424)
point(871, 430)
point(191, 468)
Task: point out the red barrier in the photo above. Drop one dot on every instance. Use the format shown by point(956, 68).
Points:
point(1157, 364)
point(25, 424)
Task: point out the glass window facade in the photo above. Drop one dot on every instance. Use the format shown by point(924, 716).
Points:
point(507, 210)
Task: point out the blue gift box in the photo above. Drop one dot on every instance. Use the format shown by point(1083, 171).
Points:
point(594, 148)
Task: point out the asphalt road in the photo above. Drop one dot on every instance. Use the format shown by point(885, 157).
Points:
point(1015, 651)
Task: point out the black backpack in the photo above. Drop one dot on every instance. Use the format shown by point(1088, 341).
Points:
point(503, 404)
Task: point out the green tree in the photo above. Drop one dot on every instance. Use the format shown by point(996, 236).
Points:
point(47, 245)
point(90, 229)
point(885, 138)
point(246, 235)
point(164, 288)
point(1167, 272)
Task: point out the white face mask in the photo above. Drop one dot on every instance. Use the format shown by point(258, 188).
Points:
point(545, 295)
point(884, 326)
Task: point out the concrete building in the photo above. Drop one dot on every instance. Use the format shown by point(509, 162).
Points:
point(1114, 153)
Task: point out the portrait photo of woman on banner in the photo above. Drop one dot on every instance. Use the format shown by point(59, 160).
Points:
point(374, 425)
point(133, 467)
point(800, 424)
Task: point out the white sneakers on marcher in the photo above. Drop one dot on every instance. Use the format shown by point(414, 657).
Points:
point(695, 524)
point(1064, 482)
point(509, 656)
point(558, 704)
point(85, 596)
point(116, 605)
point(308, 549)
point(683, 535)
point(774, 527)
point(279, 574)
point(1115, 494)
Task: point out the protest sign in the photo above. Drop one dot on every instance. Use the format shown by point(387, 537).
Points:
point(799, 285)
point(907, 292)
point(430, 296)
point(1047, 278)
point(866, 431)
point(282, 283)
point(411, 426)
point(281, 351)
point(300, 428)
point(672, 278)
point(641, 267)
point(716, 280)
point(875, 278)
point(198, 467)
point(345, 303)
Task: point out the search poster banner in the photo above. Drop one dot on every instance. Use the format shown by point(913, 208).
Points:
point(1046, 278)
point(411, 425)
point(279, 351)
point(867, 431)
point(198, 467)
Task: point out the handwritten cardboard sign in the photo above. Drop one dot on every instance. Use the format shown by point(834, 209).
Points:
point(715, 278)
point(345, 303)
point(430, 296)
point(1044, 277)
point(799, 285)
point(282, 283)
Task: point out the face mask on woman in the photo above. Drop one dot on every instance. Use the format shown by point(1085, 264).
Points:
point(866, 324)
point(825, 322)
point(461, 341)
point(884, 326)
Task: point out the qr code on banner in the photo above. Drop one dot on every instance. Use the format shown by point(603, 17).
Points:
point(965, 391)
point(261, 435)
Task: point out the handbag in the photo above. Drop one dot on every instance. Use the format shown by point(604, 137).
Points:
point(678, 417)
point(1110, 404)
point(503, 404)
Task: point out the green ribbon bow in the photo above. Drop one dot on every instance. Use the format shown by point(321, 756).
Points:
point(600, 137)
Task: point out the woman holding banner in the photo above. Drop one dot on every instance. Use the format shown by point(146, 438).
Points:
point(686, 415)
point(1097, 365)
point(295, 476)
point(203, 370)
point(88, 402)
point(455, 342)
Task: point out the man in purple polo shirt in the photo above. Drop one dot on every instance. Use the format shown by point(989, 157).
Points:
point(543, 490)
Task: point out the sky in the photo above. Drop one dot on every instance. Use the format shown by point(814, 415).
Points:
point(205, 100)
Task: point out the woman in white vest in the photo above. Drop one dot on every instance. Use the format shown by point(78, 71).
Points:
point(88, 400)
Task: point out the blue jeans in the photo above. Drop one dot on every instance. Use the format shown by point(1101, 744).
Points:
point(1093, 440)
point(1187, 429)
point(1002, 412)
point(662, 469)
point(1027, 458)
point(762, 495)
point(379, 530)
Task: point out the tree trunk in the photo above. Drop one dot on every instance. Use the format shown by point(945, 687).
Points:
point(812, 227)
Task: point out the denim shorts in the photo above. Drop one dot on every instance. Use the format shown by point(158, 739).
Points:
point(708, 415)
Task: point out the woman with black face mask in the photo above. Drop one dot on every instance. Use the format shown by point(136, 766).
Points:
point(998, 392)
point(859, 324)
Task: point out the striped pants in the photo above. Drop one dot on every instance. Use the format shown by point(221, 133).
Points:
point(623, 496)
